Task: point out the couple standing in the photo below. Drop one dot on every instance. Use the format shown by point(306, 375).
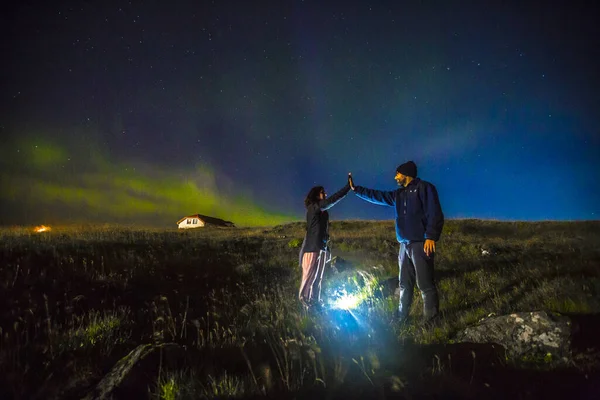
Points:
point(419, 223)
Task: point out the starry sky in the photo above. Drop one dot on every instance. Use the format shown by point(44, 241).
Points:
point(146, 111)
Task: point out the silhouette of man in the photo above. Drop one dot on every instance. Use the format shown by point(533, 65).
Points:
point(419, 223)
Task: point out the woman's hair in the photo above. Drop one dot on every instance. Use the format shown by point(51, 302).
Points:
point(313, 195)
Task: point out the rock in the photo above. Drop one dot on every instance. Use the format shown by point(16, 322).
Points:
point(534, 335)
point(116, 375)
point(123, 368)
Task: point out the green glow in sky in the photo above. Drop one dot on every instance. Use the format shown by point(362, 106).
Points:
point(44, 175)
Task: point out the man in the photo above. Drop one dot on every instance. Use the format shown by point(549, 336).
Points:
point(419, 223)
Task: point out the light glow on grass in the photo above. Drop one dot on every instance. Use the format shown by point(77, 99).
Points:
point(354, 292)
point(346, 301)
point(42, 228)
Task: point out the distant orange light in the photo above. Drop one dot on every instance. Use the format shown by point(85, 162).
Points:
point(42, 228)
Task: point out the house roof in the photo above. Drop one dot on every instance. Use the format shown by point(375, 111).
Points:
point(207, 220)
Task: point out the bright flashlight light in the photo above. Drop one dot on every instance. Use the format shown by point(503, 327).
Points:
point(42, 228)
point(347, 302)
point(360, 290)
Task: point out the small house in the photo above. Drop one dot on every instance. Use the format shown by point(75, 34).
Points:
point(200, 221)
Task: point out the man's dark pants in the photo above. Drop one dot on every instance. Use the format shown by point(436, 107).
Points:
point(416, 266)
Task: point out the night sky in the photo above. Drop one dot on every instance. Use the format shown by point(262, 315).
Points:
point(146, 111)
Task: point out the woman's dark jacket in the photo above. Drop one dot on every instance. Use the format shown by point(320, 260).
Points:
point(317, 222)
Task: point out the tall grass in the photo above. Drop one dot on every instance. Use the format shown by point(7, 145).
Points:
point(76, 299)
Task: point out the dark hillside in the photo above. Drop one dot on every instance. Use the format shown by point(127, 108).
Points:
point(217, 310)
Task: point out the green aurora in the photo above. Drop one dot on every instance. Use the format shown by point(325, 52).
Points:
point(74, 184)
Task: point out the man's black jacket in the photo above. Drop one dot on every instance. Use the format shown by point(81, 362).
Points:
point(417, 207)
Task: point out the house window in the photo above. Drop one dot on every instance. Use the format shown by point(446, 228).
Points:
point(189, 221)
point(195, 221)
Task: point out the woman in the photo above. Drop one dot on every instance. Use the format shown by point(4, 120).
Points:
point(314, 251)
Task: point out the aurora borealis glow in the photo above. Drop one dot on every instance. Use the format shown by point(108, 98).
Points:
point(145, 112)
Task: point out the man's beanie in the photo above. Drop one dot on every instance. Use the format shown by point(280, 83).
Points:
point(408, 168)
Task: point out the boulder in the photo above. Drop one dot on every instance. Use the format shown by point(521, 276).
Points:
point(130, 365)
point(526, 336)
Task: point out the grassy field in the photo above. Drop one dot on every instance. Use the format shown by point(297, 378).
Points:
point(223, 302)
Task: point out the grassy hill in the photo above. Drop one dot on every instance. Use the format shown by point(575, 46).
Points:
point(75, 300)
